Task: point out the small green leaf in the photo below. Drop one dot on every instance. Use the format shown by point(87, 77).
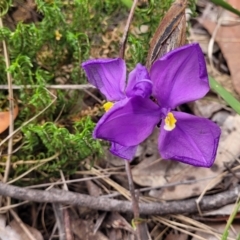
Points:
point(127, 3)
point(226, 6)
point(227, 96)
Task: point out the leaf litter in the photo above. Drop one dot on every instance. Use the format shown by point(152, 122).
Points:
point(151, 171)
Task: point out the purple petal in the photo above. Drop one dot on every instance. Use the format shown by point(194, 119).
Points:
point(194, 140)
point(128, 122)
point(139, 83)
point(108, 75)
point(123, 152)
point(180, 76)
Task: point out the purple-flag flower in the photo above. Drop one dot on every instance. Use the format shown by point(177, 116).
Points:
point(178, 77)
point(109, 76)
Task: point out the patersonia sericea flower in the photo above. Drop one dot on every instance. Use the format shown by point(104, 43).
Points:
point(109, 76)
point(178, 77)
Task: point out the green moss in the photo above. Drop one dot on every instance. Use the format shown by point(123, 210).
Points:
point(73, 147)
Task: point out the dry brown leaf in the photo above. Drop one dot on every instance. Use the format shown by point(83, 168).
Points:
point(93, 189)
point(223, 211)
point(118, 234)
point(151, 170)
point(202, 37)
point(224, 79)
point(25, 11)
point(227, 152)
point(227, 36)
point(170, 34)
point(6, 232)
point(220, 117)
point(115, 220)
point(178, 236)
point(83, 229)
point(5, 119)
point(205, 107)
point(23, 236)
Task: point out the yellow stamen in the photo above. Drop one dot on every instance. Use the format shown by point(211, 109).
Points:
point(107, 106)
point(58, 35)
point(170, 121)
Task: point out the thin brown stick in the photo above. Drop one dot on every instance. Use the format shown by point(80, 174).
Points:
point(66, 217)
point(11, 107)
point(187, 206)
point(135, 205)
point(132, 190)
point(67, 224)
point(124, 37)
point(62, 87)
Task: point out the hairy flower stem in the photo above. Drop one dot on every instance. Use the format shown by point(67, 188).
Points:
point(135, 205)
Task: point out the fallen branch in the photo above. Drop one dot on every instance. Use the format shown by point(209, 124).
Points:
point(107, 204)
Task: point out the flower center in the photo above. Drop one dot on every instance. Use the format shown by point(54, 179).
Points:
point(170, 121)
point(107, 106)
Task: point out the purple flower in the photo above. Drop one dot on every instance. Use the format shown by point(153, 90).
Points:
point(109, 76)
point(178, 77)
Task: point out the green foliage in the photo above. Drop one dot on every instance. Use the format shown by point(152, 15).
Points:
point(4, 6)
point(38, 51)
point(44, 140)
point(192, 7)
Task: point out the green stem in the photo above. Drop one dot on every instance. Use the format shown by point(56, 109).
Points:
point(226, 6)
point(227, 96)
point(230, 220)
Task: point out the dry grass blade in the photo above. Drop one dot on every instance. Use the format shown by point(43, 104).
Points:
point(11, 108)
point(212, 41)
point(194, 223)
point(172, 225)
point(109, 181)
point(35, 167)
point(211, 184)
point(6, 208)
point(59, 182)
point(199, 226)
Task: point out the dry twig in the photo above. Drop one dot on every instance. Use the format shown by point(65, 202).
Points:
point(62, 87)
point(124, 38)
point(11, 107)
point(174, 207)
